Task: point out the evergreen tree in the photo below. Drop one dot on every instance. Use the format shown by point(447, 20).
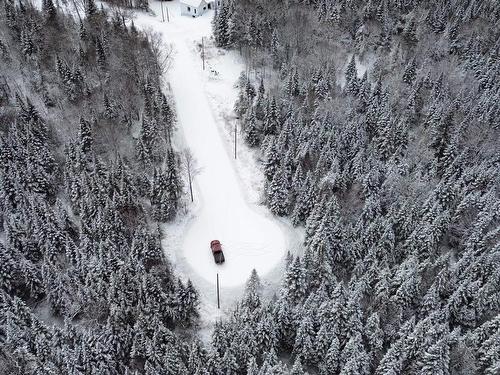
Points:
point(436, 359)
point(297, 368)
point(229, 364)
point(187, 302)
point(278, 194)
point(410, 72)
point(272, 162)
point(330, 363)
point(375, 337)
point(85, 135)
point(252, 291)
point(271, 118)
point(409, 33)
point(351, 78)
point(251, 131)
point(221, 25)
point(275, 49)
point(101, 54)
point(306, 201)
point(304, 341)
point(354, 357)
point(295, 281)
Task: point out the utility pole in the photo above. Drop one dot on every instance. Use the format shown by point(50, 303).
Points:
point(162, 14)
point(218, 298)
point(168, 16)
point(235, 134)
point(203, 52)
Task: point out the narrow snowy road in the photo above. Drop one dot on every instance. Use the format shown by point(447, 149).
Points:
point(250, 237)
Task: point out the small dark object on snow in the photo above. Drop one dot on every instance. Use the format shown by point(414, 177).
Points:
point(217, 251)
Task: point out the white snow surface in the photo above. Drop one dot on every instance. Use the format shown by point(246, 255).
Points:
point(362, 66)
point(227, 191)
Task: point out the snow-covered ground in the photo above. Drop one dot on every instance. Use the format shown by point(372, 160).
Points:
point(362, 66)
point(227, 191)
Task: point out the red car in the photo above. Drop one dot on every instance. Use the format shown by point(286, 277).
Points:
point(217, 251)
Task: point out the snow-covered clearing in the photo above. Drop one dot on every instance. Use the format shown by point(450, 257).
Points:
point(362, 66)
point(226, 191)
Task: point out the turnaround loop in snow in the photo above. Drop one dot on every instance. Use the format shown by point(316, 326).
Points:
point(249, 239)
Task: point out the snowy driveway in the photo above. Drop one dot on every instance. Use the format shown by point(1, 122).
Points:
point(249, 240)
point(250, 237)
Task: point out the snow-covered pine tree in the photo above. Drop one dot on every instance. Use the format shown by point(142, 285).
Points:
point(251, 131)
point(351, 78)
point(221, 22)
point(271, 118)
point(295, 280)
point(187, 302)
point(85, 135)
point(253, 287)
point(304, 341)
point(278, 193)
point(297, 368)
point(331, 362)
point(410, 72)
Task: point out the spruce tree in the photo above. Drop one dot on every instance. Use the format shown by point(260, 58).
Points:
point(351, 77)
point(85, 135)
point(436, 359)
point(272, 162)
point(221, 25)
point(410, 72)
point(253, 287)
point(271, 118)
point(251, 131)
point(297, 368)
point(278, 194)
point(304, 340)
point(330, 363)
point(295, 281)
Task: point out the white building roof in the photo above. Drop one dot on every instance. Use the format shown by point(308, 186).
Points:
point(192, 3)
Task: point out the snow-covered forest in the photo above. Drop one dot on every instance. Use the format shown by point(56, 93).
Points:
point(377, 124)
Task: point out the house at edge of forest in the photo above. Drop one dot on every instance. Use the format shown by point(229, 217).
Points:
point(195, 8)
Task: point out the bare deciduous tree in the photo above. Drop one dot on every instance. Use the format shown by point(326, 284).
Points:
point(162, 52)
point(124, 14)
point(189, 164)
